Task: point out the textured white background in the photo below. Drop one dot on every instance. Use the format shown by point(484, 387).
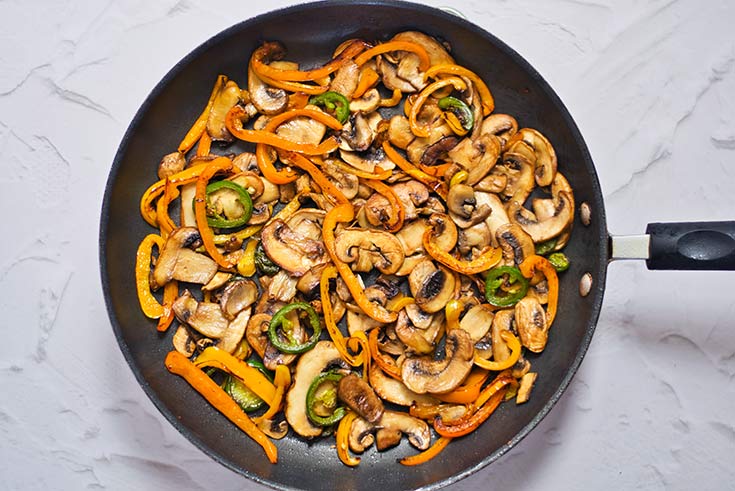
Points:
point(651, 85)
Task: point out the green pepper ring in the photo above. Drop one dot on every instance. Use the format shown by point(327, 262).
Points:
point(243, 197)
point(494, 280)
point(338, 413)
point(334, 101)
point(277, 320)
point(460, 109)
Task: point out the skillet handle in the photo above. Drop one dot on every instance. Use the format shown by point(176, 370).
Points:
point(692, 246)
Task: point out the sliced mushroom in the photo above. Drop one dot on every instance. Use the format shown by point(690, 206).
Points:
point(477, 156)
point(411, 236)
point(412, 336)
point(437, 130)
point(531, 324)
point(251, 182)
point(361, 435)
point(290, 250)
point(183, 342)
point(367, 160)
point(403, 72)
point(477, 321)
point(545, 169)
point(548, 228)
point(310, 364)
point(395, 391)
point(345, 79)
point(235, 331)
point(356, 134)
point(518, 169)
point(516, 244)
point(463, 206)
point(504, 126)
point(498, 216)
point(227, 98)
point(379, 212)
point(267, 99)
point(178, 262)
point(438, 151)
point(425, 374)
point(394, 422)
point(399, 131)
point(302, 130)
point(418, 317)
point(492, 183)
point(357, 320)
point(347, 183)
point(474, 238)
point(369, 102)
point(412, 194)
point(246, 161)
point(237, 296)
point(368, 249)
point(432, 287)
point(282, 287)
point(171, 164)
point(218, 281)
point(256, 336)
point(524, 388)
point(503, 321)
point(359, 396)
point(207, 318)
point(444, 230)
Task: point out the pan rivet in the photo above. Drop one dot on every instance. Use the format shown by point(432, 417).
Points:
point(585, 284)
point(585, 214)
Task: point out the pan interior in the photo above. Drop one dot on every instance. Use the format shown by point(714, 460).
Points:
point(311, 32)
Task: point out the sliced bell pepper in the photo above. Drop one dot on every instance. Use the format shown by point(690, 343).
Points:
point(424, 95)
point(386, 363)
point(200, 125)
point(394, 99)
point(343, 437)
point(497, 282)
point(428, 454)
point(253, 378)
point(466, 426)
point(483, 262)
point(334, 333)
point(246, 265)
point(170, 294)
point(538, 263)
point(282, 382)
point(338, 412)
point(165, 223)
point(368, 79)
point(220, 164)
point(432, 182)
point(469, 391)
point(148, 303)
point(424, 60)
point(514, 345)
point(488, 103)
point(178, 364)
point(279, 319)
point(205, 144)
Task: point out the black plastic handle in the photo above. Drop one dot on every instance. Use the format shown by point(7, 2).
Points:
point(692, 245)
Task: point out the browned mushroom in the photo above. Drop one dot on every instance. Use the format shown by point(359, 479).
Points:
point(268, 100)
point(477, 156)
point(359, 396)
point(425, 374)
point(178, 262)
point(290, 250)
point(205, 317)
point(432, 287)
point(171, 164)
point(368, 249)
point(531, 324)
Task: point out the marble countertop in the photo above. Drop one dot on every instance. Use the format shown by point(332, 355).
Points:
point(652, 88)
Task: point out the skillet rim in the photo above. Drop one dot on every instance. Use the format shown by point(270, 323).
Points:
point(596, 191)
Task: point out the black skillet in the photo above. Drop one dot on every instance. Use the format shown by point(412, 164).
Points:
point(310, 32)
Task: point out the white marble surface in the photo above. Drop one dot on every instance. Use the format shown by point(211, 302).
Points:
point(651, 85)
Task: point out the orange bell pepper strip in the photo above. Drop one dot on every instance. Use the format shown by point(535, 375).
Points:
point(394, 99)
point(539, 263)
point(200, 125)
point(186, 176)
point(483, 262)
point(205, 145)
point(423, 96)
point(469, 391)
point(428, 454)
point(250, 376)
point(424, 60)
point(452, 311)
point(432, 182)
point(359, 344)
point(394, 201)
point(488, 401)
point(298, 100)
point(368, 78)
point(282, 381)
point(436, 170)
point(337, 338)
point(328, 189)
point(178, 364)
point(386, 363)
point(220, 164)
point(396, 305)
point(260, 57)
point(148, 303)
point(170, 294)
point(295, 87)
point(514, 345)
point(165, 222)
point(488, 103)
point(343, 440)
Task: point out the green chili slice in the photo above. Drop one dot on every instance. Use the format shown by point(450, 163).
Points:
point(544, 248)
point(264, 263)
point(327, 399)
point(219, 218)
point(242, 395)
point(279, 321)
point(505, 286)
point(560, 261)
point(459, 109)
point(333, 102)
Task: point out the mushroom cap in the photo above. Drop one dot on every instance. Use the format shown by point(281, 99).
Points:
point(547, 228)
point(290, 250)
point(395, 391)
point(267, 99)
point(516, 244)
point(531, 324)
point(425, 374)
point(370, 248)
point(359, 396)
point(432, 287)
